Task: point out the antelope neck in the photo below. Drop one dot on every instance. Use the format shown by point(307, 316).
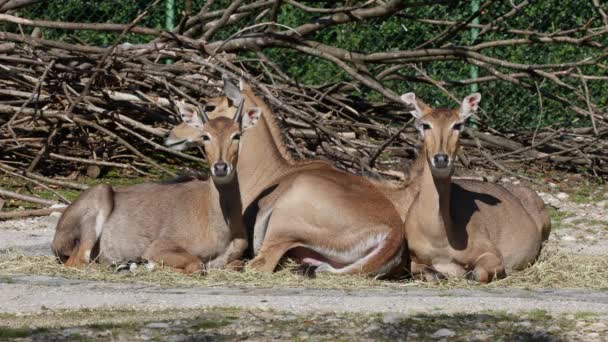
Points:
point(260, 160)
point(229, 195)
point(435, 195)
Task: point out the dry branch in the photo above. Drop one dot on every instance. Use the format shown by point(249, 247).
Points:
point(65, 106)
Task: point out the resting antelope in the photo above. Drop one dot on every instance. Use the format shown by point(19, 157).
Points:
point(309, 210)
point(461, 226)
point(179, 225)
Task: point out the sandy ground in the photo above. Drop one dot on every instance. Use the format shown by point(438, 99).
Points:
point(27, 294)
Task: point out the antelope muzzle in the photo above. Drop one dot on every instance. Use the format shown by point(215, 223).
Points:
point(220, 169)
point(441, 161)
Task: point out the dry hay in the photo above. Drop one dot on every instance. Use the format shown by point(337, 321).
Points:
point(554, 269)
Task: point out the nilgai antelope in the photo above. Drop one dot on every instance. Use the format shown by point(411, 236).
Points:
point(309, 210)
point(315, 213)
point(460, 227)
point(179, 225)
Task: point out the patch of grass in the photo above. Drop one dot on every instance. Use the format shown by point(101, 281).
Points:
point(588, 193)
point(599, 223)
point(68, 194)
point(6, 332)
point(558, 217)
point(220, 323)
point(211, 324)
point(539, 314)
point(585, 315)
point(6, 279)
point(114, 177)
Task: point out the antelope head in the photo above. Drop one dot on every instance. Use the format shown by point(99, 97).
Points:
point(184, 136)
point(220, 137)
point(440, 130)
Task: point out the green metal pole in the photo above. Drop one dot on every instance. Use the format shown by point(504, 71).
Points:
point(169, 19)
point(474, 32)
point(474, 71)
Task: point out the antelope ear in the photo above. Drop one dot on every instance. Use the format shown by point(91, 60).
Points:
point(469, 105)
point(231, 90)
point(420, 108)
point(250, 117)
point(189, 114)
point(243, 85)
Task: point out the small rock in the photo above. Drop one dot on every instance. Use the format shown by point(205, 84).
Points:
point(524, 324)
point(480, 336)
point(602, 204)
point(552, 201)
point(157, 325)
point(590, 237)
point(516, 182)
point(372, 328)
point(150, 265)
point(443, 332)
point(553, 185)
point(568, 238)
point(178, 338)
point(290, 318)
point(599, 326)
point(562, 196)
point(554, 328)
point(392, 318)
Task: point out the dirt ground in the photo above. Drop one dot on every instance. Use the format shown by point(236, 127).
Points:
point(36, 305)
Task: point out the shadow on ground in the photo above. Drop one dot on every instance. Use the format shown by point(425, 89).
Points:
point(236, 324)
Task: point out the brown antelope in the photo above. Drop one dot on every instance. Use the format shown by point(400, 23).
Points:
point(309, 210)
point(460, 226)
point(179, 225)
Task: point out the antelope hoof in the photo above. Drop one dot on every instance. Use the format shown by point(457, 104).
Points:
point(325, 267)
point(488, 267)
point(76, 262)
point(195, 267)
point(131, 266)
point(236, 265)
point(306, 270)
point(257, 264)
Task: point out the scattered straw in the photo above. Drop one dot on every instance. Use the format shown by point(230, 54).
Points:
point(554, 269)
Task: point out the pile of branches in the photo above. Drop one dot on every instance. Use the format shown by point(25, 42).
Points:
point(69, 109)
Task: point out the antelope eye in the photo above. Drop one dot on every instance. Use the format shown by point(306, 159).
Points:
point(458, 126)
point(209, 108)
point(426, 126)
point(236, 136)
point(205, 137)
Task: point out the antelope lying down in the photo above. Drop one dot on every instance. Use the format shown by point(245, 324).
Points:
point(309, 210)
point(461, 226)
point(179, 225)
